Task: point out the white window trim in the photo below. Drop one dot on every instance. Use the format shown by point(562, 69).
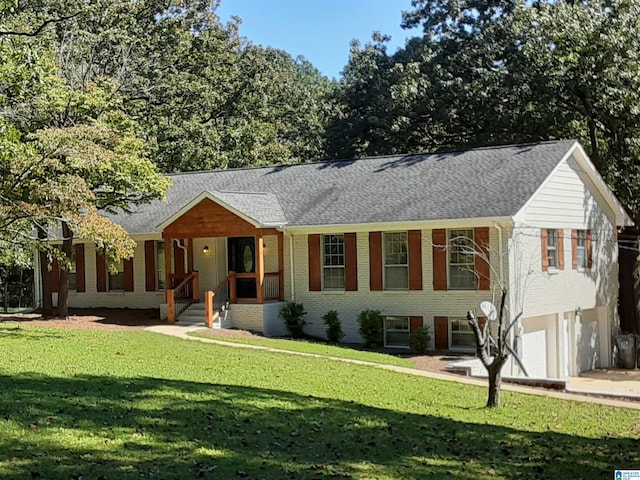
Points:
point(384, 330)
point(472, 265)
point(584, 267)
point(115, 290)
point(384, 263)
point(553, 268)
point(157, 265)
point(331, 267)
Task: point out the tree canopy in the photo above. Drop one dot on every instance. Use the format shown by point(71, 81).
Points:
point(500, 72)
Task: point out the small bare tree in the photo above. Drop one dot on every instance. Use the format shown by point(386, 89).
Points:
point(494, 352)
point(494, 355)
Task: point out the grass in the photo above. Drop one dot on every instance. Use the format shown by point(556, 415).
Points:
point(315, 348)
point(130, 405)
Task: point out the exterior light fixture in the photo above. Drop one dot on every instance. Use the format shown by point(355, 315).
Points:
point(205, 250)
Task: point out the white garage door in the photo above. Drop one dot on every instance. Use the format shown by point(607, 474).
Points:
point(534, 353)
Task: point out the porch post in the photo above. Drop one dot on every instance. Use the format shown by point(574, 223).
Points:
point(168, 249)
point(190, 255)
point(208, 308)
point(260, 267)
point(232, 287)
point(280, 266)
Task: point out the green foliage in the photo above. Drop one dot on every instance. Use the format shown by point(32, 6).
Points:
point(499, 72)
point(334, 326)
point(292, 313)
point(370, 327)
point(146, 405)
point(419, 340)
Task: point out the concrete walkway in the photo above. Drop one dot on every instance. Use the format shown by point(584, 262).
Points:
point(596, 390)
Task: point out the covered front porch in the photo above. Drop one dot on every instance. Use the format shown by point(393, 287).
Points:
point(218, 256)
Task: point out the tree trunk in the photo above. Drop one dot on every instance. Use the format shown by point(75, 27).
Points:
point(47, 302)
point(63, 292)
point(495, 381)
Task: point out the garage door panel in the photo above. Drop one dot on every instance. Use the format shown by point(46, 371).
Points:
point(534, 353)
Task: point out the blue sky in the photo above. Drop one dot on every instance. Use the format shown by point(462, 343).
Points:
point(319, 30)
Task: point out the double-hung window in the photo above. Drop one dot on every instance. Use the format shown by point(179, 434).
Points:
point(396, 332)
point(462, 336)
point(73, 274)
point(333, 262)
point(581, 248)
point(462, 275)
point(160, 266)
point(396, 261)
point(552, 248)
point(116, 280)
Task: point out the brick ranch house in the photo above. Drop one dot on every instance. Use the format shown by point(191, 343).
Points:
point(387, 233)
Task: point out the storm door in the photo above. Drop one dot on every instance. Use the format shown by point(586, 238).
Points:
point(242, 260)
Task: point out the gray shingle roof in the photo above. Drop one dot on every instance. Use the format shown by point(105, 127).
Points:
point(485, 182)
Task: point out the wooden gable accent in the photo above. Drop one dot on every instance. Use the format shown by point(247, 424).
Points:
point(439, 241)
point(150, 265)
point(315, 277)
point(350, 262)
point(81, 284)
point(483, 271)
point(415, 259)
point(208, 219)
point(375, 261)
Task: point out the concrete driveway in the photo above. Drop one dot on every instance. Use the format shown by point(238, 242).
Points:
point(614, 382)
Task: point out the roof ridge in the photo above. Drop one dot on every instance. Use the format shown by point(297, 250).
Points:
point(370, 157)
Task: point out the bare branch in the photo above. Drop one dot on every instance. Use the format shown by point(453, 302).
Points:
point(40, 29)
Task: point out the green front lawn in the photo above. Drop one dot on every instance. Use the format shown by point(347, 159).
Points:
point(315, 348)
point(131, 405)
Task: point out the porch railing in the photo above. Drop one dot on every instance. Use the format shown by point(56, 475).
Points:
point(271, 286)
point(216, 300)
point(182, 295)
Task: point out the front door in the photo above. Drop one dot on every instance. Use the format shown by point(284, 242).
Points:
point(242, 259)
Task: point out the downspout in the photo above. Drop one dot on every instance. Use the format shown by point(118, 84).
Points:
point(500, 254)
point(516, 340)
point(293, 288)
point(186, 253)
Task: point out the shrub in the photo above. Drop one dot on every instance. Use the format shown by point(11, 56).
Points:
point(370, 327)
point(419, 340)
point(334, 326)
point(292, 314)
